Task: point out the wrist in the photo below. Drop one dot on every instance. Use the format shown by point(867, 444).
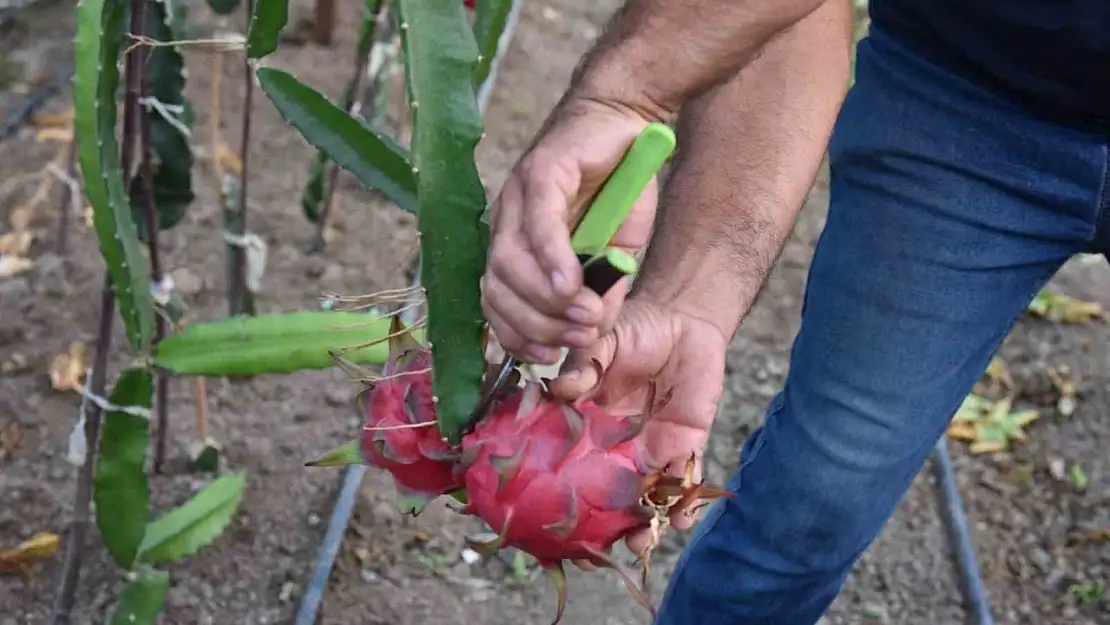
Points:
point(615, 81)
point(708, 288)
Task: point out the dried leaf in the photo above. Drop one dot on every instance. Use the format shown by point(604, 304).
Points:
point(1065, 386)
point(11, 265)
point(1060, 308)
point(988, 426)
point(60, 135)
point(16, 243)
point(16, 363)
point(67, 371)
point(227, 159)
point(10, 438)
point(962, 430)
point(1097, 535)
point(38, 547)
point(997, 372)
point(21, 217)
point(53, 120)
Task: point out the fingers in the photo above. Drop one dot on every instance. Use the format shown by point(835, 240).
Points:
point(514, 342)
point(546, 227)
point(529, 324)
point(582, 369)
point(531, 290)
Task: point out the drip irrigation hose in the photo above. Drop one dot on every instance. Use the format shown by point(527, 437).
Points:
point(952, 510)
point(12, 121)
point(351, 479)
point(329, 548)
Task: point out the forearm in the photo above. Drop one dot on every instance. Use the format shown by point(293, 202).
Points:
point(749, 151)
point(655, 55)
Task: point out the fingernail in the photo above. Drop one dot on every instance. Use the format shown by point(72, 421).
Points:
point(577, 338)
point(578, 314)
point(559, 281)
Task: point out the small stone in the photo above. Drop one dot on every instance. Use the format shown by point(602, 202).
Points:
point(1067, 405)
point(313, 519)
point(369, 576)
point(287, 590)
point(1057, 468)
point(470, 556)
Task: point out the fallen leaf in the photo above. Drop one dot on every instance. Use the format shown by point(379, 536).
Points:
point(11, 265)
point(1097, 535)
point(1067, 402)
point(1078, 478)
point(227, 160)
point(53, 120)
point(998, 372)
point(989, 426)
point(59, 135)
point(1060, 308)
point(15, 363)
point(38, 547)
point(16, 243)
point(68, 370)
point(10, 438)
point(363, 555)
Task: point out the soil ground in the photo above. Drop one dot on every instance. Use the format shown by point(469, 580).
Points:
point(393, 570)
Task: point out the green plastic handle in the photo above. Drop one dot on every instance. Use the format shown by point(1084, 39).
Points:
point(610, 206)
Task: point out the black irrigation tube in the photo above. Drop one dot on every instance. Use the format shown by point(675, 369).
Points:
point(952, 509)
point(313, 595)
point(15, 119)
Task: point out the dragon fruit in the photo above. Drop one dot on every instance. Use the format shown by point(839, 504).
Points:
point(400, 435)
point(559, 481)
point(566, 481)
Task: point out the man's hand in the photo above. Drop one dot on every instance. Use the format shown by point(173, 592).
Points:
point(685, 357)
point(532, 291)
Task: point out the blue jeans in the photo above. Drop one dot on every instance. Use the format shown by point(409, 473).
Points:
point(950, 208)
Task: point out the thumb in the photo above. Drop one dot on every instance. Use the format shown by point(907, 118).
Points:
point(582, 370)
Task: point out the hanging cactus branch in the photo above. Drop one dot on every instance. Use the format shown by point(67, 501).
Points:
point(440, 58)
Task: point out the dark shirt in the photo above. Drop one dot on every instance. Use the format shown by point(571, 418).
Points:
point(1052, 56)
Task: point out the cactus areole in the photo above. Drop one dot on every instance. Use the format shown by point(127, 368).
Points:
point(559, 481)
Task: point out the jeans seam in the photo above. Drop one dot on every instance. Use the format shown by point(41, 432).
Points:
point(1102, 214)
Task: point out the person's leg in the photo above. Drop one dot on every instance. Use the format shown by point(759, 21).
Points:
point(949, 209)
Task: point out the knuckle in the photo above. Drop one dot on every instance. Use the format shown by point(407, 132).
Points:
point(533, 164)
point(507, 336)
point(492, 292)
point(501, 250)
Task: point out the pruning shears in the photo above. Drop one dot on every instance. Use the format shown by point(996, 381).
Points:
point(602, 266)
